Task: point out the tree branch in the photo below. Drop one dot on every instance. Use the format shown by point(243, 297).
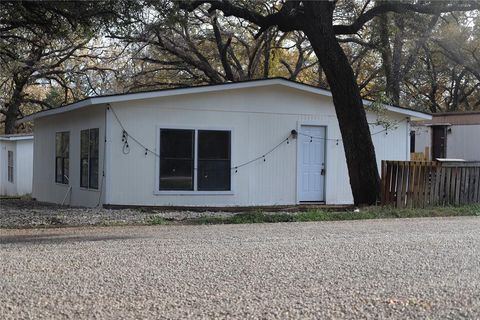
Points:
point(400, 7)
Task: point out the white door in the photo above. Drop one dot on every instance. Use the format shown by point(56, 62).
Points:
point(312, 163)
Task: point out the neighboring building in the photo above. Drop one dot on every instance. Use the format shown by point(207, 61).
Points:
point(16, 164)
point(452, 135)
point(203, 146)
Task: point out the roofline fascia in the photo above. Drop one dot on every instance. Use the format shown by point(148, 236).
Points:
point(206, 89)
point(16, 138)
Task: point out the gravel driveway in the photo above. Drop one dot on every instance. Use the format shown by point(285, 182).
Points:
point(403, 268)
point(23, 213)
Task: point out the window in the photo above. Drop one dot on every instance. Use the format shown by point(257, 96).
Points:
point(62, 157)
point(89, 140)
point(178, 160)
point(213, 160)
point(10, 166)
point(412, 141)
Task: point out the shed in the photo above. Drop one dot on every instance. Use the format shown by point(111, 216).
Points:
point(448, 135)
point(252, 143)
point(16, 164)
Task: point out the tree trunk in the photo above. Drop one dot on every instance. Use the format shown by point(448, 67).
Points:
point(13, 111)
point(10, 119)
point(391, 60)
point(357, 141)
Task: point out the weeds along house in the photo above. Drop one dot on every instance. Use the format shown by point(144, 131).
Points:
point(263, 142)
point(16, 164)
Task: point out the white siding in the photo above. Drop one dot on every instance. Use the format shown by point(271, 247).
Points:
point(24, 170)
point(22, 165)
point(462, 142)
point(260, 118)
point(423, 138)
point(44, 187)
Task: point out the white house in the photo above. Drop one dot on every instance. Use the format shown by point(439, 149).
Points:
point(232, 144)
point(16, 164)
point(452, 135)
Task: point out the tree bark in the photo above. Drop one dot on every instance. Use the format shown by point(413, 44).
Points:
point(13, 106)
point(357, 141)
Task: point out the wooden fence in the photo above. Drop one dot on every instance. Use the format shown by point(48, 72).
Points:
point(418, 184)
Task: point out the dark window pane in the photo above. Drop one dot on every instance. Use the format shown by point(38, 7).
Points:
point(93, 168)
point(176, 174)
point(10, 174)
point(213, 175)
point(84, 173)
point(58, 144)
point(176, 159)
point(84, 151)
point(213, 145)
point(66, 144)
point(62, 145)
point(93, 179)
point(10, 166)
point(66, 170)
point(59, 170)
point(89, 146)
point(176, 143)
point(84, 143)
point(213, 160)
point(94, 143)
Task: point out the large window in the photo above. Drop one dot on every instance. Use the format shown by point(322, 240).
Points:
point(62, 157)
point(178, 160)
point(213, 160)
point(89, 140)
point(10, 166)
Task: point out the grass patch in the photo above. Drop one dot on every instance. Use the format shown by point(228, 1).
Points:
point(326, 215)
point(156, 221)
point(247, 217)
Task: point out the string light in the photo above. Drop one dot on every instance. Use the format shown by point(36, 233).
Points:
point(293, 134)
point(126, 136)
point(337, 140)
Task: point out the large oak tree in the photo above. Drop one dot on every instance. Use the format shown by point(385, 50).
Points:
point(316, 19)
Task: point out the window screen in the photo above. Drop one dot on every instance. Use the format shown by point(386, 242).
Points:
point(62, 156)
point(89, 144)
point(213, 160)
point(176, 159)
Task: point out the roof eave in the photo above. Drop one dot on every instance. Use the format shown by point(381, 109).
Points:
point(16, 138)
point(205, 89)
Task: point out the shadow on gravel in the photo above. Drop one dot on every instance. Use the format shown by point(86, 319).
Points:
point(59, 239)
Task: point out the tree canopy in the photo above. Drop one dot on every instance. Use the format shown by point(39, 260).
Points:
point(419, 54)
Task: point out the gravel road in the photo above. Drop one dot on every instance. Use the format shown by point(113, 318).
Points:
point(402, 268)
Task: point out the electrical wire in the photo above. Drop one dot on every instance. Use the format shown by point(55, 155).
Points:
point(126, 146)
point(262, 156)
point(338, 139)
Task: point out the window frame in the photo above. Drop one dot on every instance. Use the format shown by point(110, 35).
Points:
point(69, 160)
point(195, 191)
point(89, 160)
point(12, 167)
